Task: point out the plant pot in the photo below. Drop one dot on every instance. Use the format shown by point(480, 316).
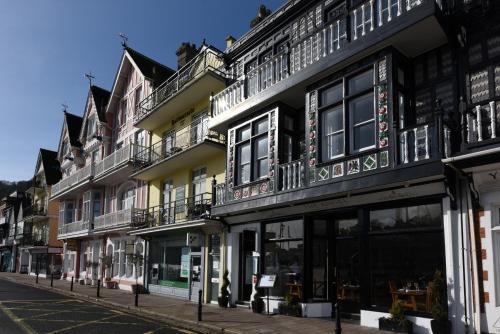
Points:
point(110, 285)
point(257, 306)
point(294, 310)
point(391, 325)
point(223, 301)
point(441, 326)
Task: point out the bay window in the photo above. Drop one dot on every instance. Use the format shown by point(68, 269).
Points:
point(347, 116)
point(252, 147)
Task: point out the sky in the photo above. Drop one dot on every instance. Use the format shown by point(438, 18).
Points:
point(46, 47)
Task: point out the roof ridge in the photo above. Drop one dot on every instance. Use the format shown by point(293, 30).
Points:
point(127, 48)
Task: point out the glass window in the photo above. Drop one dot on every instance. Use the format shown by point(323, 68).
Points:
point(243, 154)
point(122, 258)
point(411, 217)
point(361, 82)
point(285, 230)
point(244, 133)
point(261, 149)
point(261, 126)
point(332, 95)
point(363, 121)
point(97, 204)
point(333, 133)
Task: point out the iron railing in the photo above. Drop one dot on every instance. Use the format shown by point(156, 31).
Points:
point(34, 210)
point(191, 208)
point(209, 59)
point(481, 122)
point(178, 141)
point(79, 226)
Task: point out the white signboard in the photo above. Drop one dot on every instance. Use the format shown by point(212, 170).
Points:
point(193, 240)
point(267, 281)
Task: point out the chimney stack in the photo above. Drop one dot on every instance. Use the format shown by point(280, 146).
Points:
point(229, 41)
point(185, 53)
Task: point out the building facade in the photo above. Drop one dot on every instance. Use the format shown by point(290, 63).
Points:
point(9, 211)
point(185, 245)
point(97, 197)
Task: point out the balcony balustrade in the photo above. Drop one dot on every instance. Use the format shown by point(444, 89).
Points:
point(291, 175)
point(179, 140)
point(75, 227)
point(311, 48)
point(34, 211)
point(208, 59)
point(78, 177)
point(114, 219)
point(481, 122)
point(190, 209)
point(415, 143)
point(115, 159)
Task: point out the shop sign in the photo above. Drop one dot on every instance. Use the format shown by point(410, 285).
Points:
point(185, 262)
point(215, 280)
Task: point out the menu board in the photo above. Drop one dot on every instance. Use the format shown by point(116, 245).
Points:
point(267, 281)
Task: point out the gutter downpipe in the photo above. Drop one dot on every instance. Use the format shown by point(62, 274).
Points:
point(472, 239)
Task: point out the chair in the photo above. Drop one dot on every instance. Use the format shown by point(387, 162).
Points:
point(395, 294)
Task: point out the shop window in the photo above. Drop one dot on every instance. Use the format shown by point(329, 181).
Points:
point(284, 256)
point(170, 263)
point(352, 112)
point(252, 151)
point(406, 247)
point(139, 250)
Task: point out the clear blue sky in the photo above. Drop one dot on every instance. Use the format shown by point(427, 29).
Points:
point(47, 46)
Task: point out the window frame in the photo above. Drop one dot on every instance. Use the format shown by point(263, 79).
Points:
point(348, 117)
point(251, 141)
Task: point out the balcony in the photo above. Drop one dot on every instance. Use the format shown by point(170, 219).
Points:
point(70, 182)
point(114, 220)
point(115, 167)
point(482, 125)
point(194, 142)
point(34, 241)
point(34, 213)
point(370, 26)
point(73, 229)
point(191, 83)
point(191, 211)
point(417, 154)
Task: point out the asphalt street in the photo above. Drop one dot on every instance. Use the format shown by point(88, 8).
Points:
point(25, 309)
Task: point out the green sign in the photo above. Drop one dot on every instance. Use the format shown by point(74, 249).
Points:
point(185, 262)
point(173, 284)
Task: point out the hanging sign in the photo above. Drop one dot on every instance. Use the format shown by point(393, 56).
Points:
point(185, 262)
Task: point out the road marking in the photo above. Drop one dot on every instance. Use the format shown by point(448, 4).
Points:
point(27, 328)
point(83, 324)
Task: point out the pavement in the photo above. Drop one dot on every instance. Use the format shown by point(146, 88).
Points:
point(182, 314)
point(25, 309)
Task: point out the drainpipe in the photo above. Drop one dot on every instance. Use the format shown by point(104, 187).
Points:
point(473, 249)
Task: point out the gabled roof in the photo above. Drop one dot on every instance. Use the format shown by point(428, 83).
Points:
point(101, 98)
point(74, 124)
point(150, 68)
point(51, 166)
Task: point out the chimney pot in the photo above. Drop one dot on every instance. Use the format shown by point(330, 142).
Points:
point(230, 41)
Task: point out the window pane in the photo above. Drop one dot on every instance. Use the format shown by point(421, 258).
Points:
point(243, 159)
point(261, 126)
point(406, 217)
point(286, 261)
point(244, 154)
point(243, 133)
point(333, 120)
point(362, 108)
point(331, 95)
point(262, 168)
point(261, 147)
point(364, 136)
point(361, 82)
point(285, 230)
point(333, 145)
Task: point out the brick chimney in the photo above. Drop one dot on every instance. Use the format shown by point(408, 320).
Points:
point(185, 53)
point(229, 41)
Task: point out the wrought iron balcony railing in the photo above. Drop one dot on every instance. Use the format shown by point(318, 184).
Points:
point(114, 219)
point(115, 159)
point(79, 176)
point(178, 141)
point(190, 209)
point(209, 59)
point(311, 48)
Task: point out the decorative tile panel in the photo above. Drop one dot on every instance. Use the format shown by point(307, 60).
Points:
point(324, 173)
point(370, 162)
point(383, 124)
point(382, 70)
point(384, 159)
point(338, 170)
point(313, 108)
point(353, 166)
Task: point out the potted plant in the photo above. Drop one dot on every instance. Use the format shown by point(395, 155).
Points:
point(94, 266)
point(439, 323)
point(86, 280)
point(396, 322)
point(107, 263)
point(257, 302)
point(224, 292)
point(290, 306)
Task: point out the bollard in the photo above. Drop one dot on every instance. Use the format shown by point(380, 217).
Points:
point(136, 302)
point(37, 277)
point(52, 280)
point(338, 326)
point(98, 287)
point(71, 286)
point(199, 305)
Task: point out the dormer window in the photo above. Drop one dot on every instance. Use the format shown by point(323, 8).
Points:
point(65, 149)
point(91, 127)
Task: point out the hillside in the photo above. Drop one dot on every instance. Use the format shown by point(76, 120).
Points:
point(7, 187)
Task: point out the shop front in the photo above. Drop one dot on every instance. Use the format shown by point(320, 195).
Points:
point(46, 261)
point(5, 259)
point(365, 257)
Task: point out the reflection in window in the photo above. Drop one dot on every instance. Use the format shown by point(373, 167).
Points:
point(406, 217)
